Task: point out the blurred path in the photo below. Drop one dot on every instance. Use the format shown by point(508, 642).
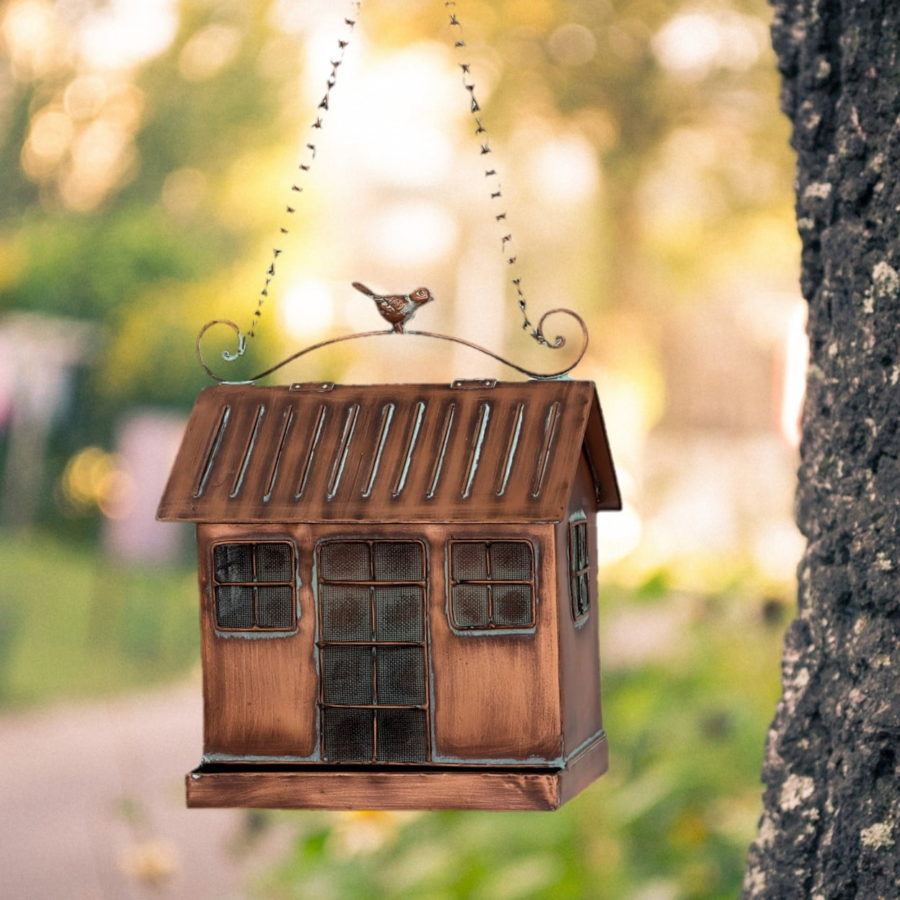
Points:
point(92, 805)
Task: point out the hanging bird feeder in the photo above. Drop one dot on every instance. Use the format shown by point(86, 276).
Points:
point(397, 581)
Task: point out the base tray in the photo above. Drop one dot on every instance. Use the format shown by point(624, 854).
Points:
point(459, 787)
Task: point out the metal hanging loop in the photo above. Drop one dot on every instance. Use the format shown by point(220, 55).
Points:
point(536, 332)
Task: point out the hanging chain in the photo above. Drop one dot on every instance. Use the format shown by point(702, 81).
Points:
point(303, 169)
point(507, 244)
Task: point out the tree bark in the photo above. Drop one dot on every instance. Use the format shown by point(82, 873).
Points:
point(831, 821)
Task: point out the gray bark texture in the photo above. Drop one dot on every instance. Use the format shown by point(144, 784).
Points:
point(831, 821)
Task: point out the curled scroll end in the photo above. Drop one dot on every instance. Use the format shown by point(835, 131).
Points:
point(242, 346)
point(559, 341)
point(227, 355)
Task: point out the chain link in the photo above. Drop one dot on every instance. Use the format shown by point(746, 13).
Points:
point(304, 167)
point(495, 188)
point(507, 244)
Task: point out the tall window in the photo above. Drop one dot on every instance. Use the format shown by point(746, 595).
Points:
point(373, 685)
point(253, 584)
point(491, 584)
point(579, 569)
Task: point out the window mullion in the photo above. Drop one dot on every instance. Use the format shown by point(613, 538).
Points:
point(490, 588)
point(374, 735)
point(255, 589)
point(373, 634)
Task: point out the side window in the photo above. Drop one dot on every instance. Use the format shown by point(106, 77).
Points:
point(491, 584)
point(253, 584)
point(579, 569)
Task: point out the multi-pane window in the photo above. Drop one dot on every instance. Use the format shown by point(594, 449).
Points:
point(579, 569)
point(373, 685)
point(253, 585)
point(491, 584)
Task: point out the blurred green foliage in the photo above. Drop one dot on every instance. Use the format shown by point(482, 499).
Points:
point(163, 246)
point(130, 252)
point(671, 819)
point(140, 198)
point(89, 626)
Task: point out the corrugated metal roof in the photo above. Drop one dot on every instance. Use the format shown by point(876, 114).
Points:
point(473, 451)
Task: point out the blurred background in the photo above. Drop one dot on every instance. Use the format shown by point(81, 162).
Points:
point(146, 156)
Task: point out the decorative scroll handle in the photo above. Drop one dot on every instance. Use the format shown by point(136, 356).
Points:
point(556, 344)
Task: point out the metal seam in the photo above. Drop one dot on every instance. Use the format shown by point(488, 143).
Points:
point(248, 452)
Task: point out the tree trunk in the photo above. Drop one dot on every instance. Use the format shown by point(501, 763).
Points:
point(831, 821)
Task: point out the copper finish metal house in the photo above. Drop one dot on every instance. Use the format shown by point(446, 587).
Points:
point(397, 593)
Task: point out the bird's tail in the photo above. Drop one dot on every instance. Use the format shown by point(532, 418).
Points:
point(363, 289)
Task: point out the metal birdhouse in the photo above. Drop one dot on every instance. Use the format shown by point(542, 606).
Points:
point(397, 581)
point(398, 593)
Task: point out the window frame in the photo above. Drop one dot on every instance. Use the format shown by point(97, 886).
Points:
point(372, 583)
point(250, 630)
point(579, 575)
point(452, 582)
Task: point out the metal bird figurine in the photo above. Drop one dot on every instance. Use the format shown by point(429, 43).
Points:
point(397, 309)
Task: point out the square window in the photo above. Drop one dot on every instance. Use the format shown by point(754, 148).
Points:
point(273, 562)
point(346, 613)
point(399, 614)
point(398, 561)
point(234, 606)
point(401, 676)
point(581, 554)
point(468, 561)
point(344, 561)
point(401, 735)
point(233, 562)
point(274, 606)
point(471, 606)
point(510, 561)
point(347, 675)
point(512, 605)
point(253, 585)
point(492, 584)
point(349, 735)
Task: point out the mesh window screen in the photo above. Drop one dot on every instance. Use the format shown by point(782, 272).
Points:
point(234, 562)
point(471, 606)
point(469, 561)
point(349, 735)
point(581, 544)
point(274, 607)
point(492, 584)
point(254, 585)
point(273, 562)
point(579, 562)
point(512, 604)
point(372, 650)
point(399, 614)
point(234, 606)
point(401, 676)
point(398, 561)
point(581, 598)
point(344, 561)
point(401, 735)
point(346, 613)
point(347, 675)
point(510, 561)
